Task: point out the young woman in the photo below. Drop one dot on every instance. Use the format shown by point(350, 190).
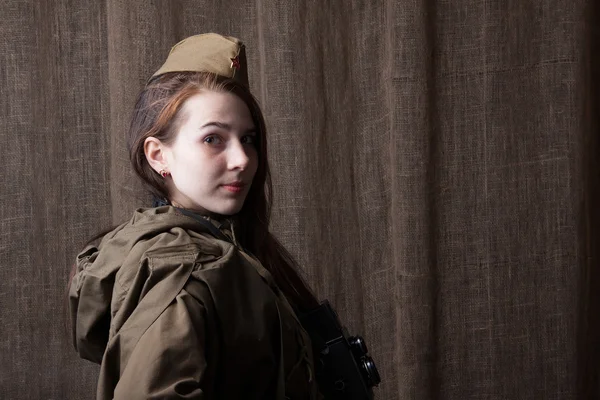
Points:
point(195, 298)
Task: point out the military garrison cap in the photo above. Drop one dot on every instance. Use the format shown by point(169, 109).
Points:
point(208, 52)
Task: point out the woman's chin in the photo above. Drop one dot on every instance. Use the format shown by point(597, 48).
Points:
point(226, 208)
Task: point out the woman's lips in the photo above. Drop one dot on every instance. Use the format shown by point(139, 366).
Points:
point(234, 187)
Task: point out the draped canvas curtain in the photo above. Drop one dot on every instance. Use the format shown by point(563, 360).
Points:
point(434, 167)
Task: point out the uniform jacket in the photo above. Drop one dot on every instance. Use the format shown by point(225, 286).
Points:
point(172, 310)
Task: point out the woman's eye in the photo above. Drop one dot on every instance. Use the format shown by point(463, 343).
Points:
point(212, 139)
point(248, 139)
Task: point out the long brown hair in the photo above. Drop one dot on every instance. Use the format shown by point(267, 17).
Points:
point(157, 114)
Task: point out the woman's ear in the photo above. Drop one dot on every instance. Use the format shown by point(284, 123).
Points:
point(156, 154)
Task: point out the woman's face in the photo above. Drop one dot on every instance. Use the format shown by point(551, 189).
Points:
point(214, 157)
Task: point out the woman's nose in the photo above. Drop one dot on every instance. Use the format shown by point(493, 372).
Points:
point(237, 157)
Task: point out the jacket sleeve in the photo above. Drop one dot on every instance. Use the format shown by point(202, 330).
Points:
point(171, 359)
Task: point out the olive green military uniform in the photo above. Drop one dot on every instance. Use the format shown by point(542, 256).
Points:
point(171, 311)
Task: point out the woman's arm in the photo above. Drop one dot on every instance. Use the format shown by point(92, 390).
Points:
point(171, 359)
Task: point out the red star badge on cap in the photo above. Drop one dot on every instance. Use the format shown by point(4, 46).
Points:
point(235, 62)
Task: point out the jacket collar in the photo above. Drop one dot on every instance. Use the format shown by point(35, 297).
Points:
point(225, 228)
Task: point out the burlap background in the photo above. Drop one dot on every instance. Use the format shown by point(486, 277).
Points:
point(434, 168)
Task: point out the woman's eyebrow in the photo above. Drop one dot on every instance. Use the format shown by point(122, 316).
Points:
point(225, 126)
point(221, 125)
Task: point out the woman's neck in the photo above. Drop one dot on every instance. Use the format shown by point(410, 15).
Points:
point(201, 211)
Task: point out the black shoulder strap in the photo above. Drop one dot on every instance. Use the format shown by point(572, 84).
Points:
point(157, 202)
point(205, 223)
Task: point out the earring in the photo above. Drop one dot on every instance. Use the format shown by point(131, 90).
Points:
point(164, 173)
